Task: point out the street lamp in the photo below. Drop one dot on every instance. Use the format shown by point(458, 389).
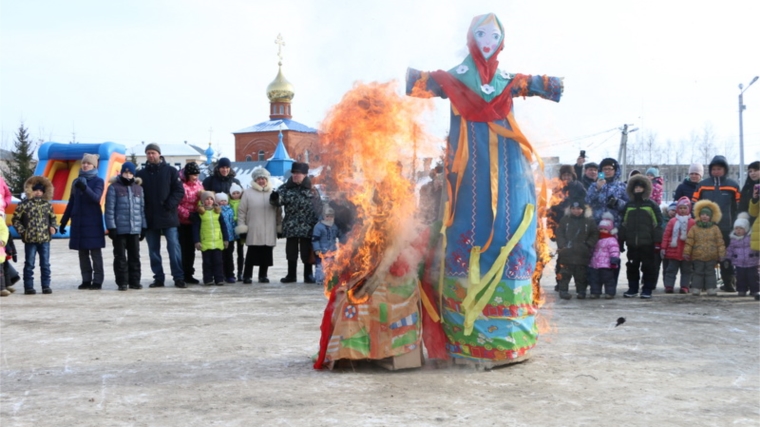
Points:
point(742, 107)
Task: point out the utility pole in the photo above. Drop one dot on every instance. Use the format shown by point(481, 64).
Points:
point(623, 151)
point(742, 107)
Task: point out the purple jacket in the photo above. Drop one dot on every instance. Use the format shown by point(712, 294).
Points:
point(605, 249)
point(740, 254)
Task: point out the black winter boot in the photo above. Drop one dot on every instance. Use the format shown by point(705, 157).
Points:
point(308, 275)
point(85, 285)
point(291, 277)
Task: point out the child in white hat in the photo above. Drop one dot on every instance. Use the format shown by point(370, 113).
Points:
point(743, 258)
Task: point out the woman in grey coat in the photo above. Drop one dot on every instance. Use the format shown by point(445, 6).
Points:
point(125, 219)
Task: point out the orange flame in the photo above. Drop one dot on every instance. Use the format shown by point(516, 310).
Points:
point(371, 139)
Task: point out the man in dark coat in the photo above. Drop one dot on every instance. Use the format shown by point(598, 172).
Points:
point(725, 193)
point(590, 175)
point(301, 203)
point(163, 192)
point(222, 178)
point(568, 189)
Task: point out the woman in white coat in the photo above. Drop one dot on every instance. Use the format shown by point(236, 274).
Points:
point(262, 222)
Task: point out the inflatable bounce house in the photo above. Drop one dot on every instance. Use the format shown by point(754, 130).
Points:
point(60, 164)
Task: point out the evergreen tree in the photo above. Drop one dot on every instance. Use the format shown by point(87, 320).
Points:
point(133, 158)
point(20, 168)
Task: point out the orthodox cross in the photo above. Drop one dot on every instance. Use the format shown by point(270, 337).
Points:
point(280, 42)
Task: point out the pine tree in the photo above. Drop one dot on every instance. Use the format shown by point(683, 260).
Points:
point(20, 167)
point(133, 158)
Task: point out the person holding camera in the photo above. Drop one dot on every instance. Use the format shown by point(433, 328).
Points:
point(608, 193)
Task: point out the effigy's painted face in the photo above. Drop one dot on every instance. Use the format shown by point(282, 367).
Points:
point(487, 37)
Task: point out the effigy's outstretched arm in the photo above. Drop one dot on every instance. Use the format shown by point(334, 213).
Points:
point(420, 85)
point(546, 87)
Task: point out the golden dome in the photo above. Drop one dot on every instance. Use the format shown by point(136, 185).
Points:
point(280, 90)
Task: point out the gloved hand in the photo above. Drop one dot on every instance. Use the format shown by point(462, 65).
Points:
point(662, 253)
point(612, 202)
point(686, 257)
point(198, 246)
point(80, 184)
point(142, 234)
point(111, 233)
point(614, 262)
point(62, 229)
point(226, 245)
point(274, 198)
point(280, 236)
point(726, 264)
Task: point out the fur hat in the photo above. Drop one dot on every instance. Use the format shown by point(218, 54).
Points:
point(639, 181)
point(608, 223)
point(697, 168)
point(590, 165)
point(654, 172)
point(567, 169)
point(609, 161)
point(742, 221)
point(41, 183)
point(259, 172)
point(299, 167)
point(128, 167)
point(234, 188)
point(206, 194)
point(711, 206)
point(91, 159)
point(221, 197)
point(153, 146)
point(192, 168)
point(224, 163)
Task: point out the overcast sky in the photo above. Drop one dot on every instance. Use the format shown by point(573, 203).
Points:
point(167, 71)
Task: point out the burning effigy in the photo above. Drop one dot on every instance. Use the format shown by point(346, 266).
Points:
point(493, 248)
point(467, 286)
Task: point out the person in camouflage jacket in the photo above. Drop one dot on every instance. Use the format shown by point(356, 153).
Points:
point(35, 222)
point(301, 202)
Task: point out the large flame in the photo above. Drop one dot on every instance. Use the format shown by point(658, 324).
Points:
point(371, 140)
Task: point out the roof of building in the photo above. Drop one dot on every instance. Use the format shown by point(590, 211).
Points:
point(169, 150)
point(277, 124)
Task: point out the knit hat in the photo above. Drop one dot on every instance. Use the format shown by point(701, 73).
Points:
point(328, 211)
point(577, 203)
point(706, 211)
point(224, 163)
point(654, 172)
point(206, 194)
point(234, 188)
point(299, 167)
point(192, 169)
point(742, 221)
point(634, 173)
point(672, 206)
point(153, 146)
point(697, 168)
point(608, 223)
point(684, 201)
point(128, 167)
point(609, 162)
point(38, 186)
point(259, 172)
point(91, 159)
point(221, 197)
point(590, 165)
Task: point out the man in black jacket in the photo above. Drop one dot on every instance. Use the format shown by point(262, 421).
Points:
point(163, 192)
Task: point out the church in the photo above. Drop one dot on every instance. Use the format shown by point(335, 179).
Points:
point(257, 143)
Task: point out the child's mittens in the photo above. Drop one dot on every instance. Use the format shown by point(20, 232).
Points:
point(614, 262)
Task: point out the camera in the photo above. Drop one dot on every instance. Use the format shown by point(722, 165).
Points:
point(601, 175)
point(583, 154)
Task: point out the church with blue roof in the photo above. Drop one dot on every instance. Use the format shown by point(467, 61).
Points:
point(279, 139)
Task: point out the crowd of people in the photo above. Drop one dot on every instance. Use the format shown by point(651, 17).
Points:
point(214, 217)
point(711, 225)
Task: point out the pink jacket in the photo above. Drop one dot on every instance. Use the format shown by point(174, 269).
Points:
point(656, 195)
point(605, 249)
point(5, 194)
point(188, 203)
point(677, 252)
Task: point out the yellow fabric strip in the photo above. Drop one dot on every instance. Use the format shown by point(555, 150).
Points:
point(472, 306)
point(428, 304)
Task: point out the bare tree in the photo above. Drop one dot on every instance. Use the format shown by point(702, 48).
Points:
point(730, 151)
point(650, 148)
point(706, 148)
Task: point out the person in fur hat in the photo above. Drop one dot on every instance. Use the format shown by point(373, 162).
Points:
point(35, 222)
point(260, 222)
point(126, 223)
point(744, 260)
point(641, 231)
point(87, 234)
point(211, 238)
point(605, 260)
point(705, 248)
point(673, 243)
point(568, 188)
point(576, 238)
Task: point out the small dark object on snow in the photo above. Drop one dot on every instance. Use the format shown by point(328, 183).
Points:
point(620, 321)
